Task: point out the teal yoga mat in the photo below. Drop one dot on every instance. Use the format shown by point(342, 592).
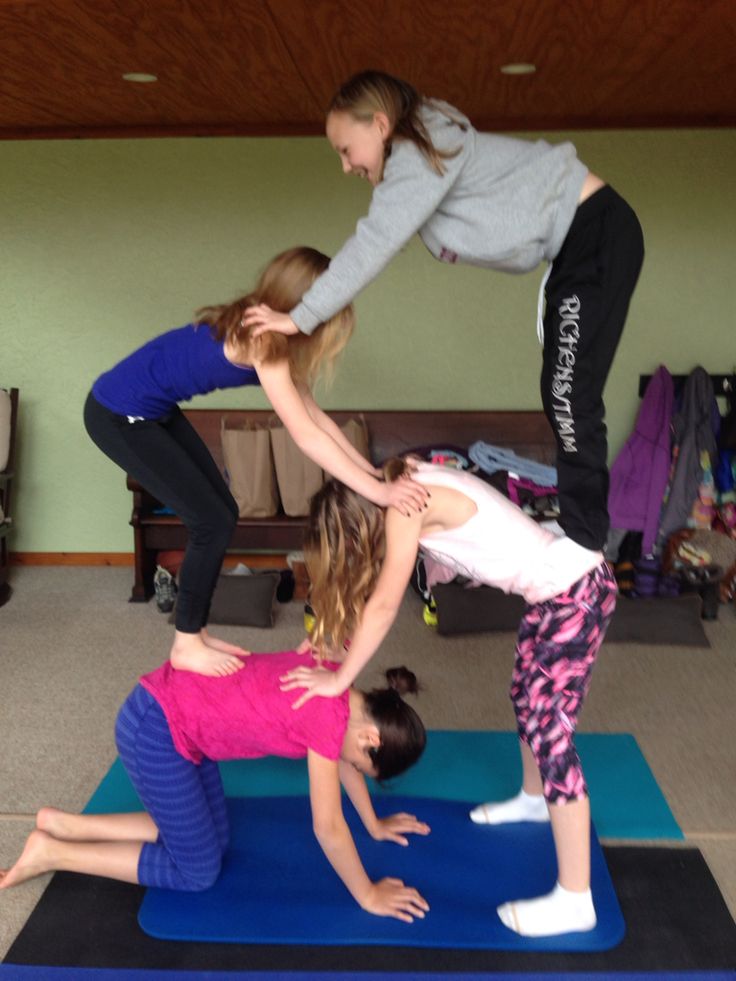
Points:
point(472, 765)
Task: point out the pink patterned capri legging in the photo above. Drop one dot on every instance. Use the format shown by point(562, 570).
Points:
point(556, 649)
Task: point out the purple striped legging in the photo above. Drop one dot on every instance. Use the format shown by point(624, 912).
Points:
point(185, 800)
point(556, 648)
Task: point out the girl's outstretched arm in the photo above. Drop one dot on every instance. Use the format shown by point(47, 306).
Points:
point(401, 204)
point(394, 827)
point(277, 383)
point(402, 543)
point(388, 897)
point(330, 427)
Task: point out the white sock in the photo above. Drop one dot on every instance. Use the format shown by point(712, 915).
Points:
point(523, 807)
point(560, 911)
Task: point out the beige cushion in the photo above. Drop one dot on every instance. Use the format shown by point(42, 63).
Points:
point(4, 428)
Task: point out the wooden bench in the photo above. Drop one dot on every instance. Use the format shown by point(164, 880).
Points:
point(390, 433)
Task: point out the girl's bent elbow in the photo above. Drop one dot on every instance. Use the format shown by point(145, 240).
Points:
point(320, 830)
point(302, 438)
point(325, 831)
point(386, 610)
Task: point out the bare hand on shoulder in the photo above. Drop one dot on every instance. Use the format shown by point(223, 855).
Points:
point(317, 681)
point(395, 827)
point(262, 318)
point(390, 897)
point(406, 495)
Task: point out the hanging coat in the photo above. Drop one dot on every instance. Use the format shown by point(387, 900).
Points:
point(693, 434)
point(639, 472)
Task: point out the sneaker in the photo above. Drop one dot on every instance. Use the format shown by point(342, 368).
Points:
point(309, 619)
point(429, 613)
point(164, 586)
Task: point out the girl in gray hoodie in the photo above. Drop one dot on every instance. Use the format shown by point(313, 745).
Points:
point(505, 204)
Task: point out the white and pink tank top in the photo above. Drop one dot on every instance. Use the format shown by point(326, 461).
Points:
point(502, 546)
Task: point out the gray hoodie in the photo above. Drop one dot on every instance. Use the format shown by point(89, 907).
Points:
point(502, 203)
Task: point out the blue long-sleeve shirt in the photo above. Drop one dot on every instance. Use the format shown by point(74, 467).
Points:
point(168, 369)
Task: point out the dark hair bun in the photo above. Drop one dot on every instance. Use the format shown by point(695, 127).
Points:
point(403, 736)
point(402, 680)
point(395, 467)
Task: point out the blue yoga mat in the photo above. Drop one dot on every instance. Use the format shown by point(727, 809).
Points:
point(472, 765)
point(276, 886)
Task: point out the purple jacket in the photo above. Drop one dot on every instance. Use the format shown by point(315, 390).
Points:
point(640, 471)
point(693, 434)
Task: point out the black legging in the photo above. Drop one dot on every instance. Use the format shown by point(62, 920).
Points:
point(588, 293)
point(168, 458)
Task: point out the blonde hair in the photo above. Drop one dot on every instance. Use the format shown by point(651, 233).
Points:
point(369, 92)
point(344, 548)
point(281, 286)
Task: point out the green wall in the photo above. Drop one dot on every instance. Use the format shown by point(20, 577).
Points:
point(106, 243)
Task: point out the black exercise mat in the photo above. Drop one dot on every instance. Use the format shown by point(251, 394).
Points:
point(675, 915)
point(666, 620)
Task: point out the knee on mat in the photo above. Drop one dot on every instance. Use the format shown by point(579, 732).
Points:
point(200, 877)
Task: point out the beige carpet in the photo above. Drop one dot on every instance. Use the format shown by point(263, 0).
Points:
point(72, 647)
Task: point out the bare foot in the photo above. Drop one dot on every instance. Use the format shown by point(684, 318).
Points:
point(190, 653)
point(35, 859)
point(222, 645)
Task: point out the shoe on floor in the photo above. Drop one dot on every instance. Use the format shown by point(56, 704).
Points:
point(164, 586)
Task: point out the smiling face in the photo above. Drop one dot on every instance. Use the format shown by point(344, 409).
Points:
point(361, 145)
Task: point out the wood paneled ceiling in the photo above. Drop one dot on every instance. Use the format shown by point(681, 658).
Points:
point(268, 67)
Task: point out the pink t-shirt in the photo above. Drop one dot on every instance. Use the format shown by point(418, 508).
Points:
point(246, 715)
point(502, 546)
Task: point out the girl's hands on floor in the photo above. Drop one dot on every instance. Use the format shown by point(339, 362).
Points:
point(395, 827)
point(390, 897)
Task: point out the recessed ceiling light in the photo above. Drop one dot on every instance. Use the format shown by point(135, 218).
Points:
point(518, 68)
point(139, 77)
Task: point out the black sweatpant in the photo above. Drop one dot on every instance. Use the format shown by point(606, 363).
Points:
point(587, 299)
point(170, 460)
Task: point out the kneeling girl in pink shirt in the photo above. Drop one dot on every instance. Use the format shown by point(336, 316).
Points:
point(170, 732)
